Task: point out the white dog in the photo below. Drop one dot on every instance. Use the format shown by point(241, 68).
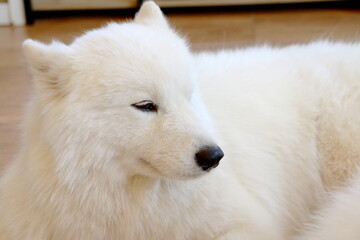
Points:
point(118, 144)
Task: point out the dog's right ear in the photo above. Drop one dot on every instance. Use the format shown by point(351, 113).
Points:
point(151, 14)
point(46, 63)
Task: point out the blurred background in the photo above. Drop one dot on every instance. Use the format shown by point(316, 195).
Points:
point(208, 24)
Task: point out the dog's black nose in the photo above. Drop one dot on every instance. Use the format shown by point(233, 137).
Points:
point(209, 157)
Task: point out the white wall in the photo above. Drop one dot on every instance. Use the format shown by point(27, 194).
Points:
point(12, 12)
point(4, 14)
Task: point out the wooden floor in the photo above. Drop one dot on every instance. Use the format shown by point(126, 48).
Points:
point(206, 31)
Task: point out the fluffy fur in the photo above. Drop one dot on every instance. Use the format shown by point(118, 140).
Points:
point(92, 166)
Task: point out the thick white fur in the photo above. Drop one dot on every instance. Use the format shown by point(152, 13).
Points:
point(94, 167)
point(339, 218)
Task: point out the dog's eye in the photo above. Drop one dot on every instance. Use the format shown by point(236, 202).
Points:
point(146, 106)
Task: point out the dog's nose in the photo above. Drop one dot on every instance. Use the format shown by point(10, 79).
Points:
point(209, 157)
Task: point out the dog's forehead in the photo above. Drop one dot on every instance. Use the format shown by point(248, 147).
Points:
point(131, 40)
point(136, 56)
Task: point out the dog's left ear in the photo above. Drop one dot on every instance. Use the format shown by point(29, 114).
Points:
point(151, 14)
point(47, 64)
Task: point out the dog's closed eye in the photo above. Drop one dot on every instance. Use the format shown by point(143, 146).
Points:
point(146, 106)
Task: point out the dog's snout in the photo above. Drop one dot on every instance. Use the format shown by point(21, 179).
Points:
point(209, 157)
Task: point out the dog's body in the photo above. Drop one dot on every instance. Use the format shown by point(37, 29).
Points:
point(100, 161)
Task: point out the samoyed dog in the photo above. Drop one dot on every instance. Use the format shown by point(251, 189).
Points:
point(127, 127)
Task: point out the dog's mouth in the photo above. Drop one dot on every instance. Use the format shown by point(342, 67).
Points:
point(155, 171)
point(150, 167)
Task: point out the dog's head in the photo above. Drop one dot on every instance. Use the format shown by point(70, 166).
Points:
point(123, 97)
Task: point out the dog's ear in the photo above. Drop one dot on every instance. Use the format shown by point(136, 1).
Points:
point(46, 63)
point(151, 14)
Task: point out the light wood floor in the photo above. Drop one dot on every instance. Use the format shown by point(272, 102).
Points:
point(206, 31)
